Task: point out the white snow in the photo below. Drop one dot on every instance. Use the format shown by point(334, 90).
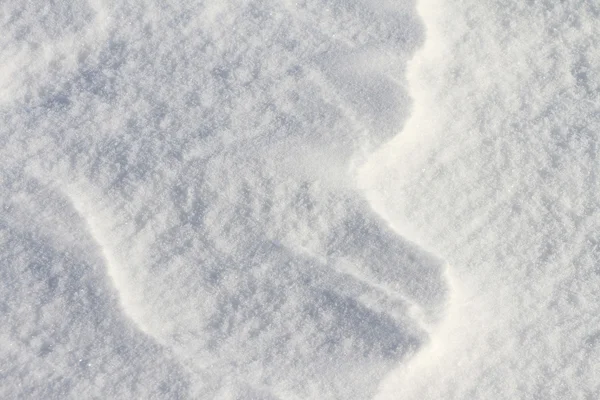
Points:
point(502, 182)
point(299, 199)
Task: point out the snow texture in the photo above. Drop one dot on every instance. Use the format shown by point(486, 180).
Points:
point(314, 199)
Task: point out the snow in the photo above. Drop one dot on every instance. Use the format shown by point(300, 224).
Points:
point(299, 200)
point(502, 182)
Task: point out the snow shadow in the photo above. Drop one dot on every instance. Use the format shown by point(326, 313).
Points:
point(205, 154)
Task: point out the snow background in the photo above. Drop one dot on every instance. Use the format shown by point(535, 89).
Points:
point(299, 200)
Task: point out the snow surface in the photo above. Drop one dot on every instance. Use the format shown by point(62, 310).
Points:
point(314, 199)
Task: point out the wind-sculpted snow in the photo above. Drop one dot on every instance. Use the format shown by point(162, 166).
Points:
point(61, 337)
point(181, 215)
point(503, 182)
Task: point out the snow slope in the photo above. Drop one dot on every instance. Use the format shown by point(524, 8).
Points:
point(502, 181)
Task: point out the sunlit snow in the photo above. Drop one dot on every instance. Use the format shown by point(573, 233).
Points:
point(315, 199)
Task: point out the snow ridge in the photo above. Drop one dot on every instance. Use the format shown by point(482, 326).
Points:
point(413, 137)
point(116, 268)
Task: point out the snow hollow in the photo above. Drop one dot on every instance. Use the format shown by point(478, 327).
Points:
point(181, 215)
